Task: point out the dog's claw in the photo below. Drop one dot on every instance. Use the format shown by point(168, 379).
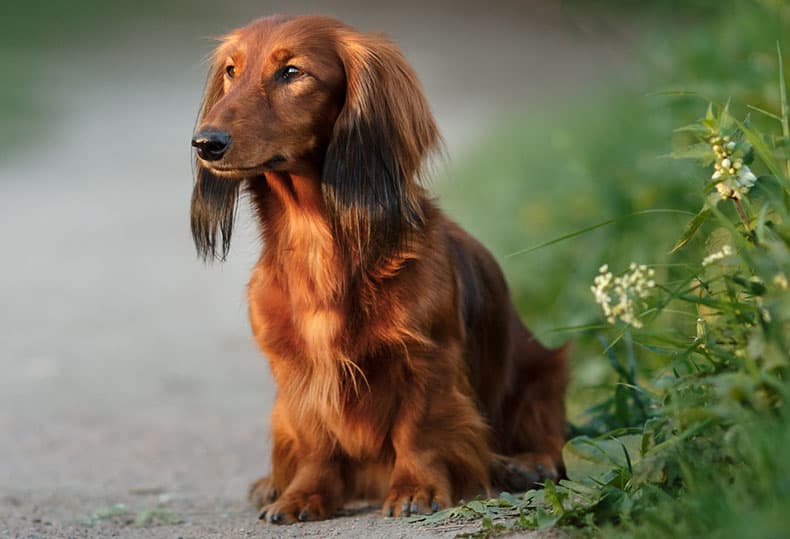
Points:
point(389, 511)
point(262, 516)
point(277, 518)
point(434, 506)
point(304, 516)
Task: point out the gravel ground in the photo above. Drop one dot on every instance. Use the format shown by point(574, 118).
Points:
point(129, 375)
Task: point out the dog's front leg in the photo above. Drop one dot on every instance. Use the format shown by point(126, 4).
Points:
point(435, 439)
point(420, 484)
point(439, 438)
point(306, 482)
point(420, 481)
point(314, 494)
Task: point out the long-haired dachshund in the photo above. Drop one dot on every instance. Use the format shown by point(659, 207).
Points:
point(403, 371)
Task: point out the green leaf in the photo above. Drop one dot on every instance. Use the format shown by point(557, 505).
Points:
point(588, 459)
point(525, 522)
point(700, 151)
point(765, 112)
point(157, 516)
point(511, 500)
point(709, 116)
point(691, 228)
point(594, 227)
point(477, 506)
point(553, 497)
point(545, 519)
point(487, 523)
point(693, 128)
point(763, 152)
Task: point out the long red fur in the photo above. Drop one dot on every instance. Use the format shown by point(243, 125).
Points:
point(403, 371)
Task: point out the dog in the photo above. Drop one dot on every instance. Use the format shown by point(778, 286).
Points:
point(403, 371)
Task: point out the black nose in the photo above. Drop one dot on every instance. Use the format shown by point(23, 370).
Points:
point(211, 144)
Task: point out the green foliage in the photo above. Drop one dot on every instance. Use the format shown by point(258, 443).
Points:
point(690, 421)
point(120, 514)
point(118, 510)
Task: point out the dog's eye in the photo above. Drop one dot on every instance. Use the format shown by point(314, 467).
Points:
point(289, 73)
point(230, 71)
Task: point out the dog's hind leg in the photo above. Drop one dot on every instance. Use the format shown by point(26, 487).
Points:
point(533, 411)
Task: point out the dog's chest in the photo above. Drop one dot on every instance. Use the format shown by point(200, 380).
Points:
point(294, 292)
point(287, 326)
point(296, 310)
point(360, 428)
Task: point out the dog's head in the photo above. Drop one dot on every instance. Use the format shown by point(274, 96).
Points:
point(310, 96)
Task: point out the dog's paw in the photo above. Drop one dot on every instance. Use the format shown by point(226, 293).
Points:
point(262, 492)
point(296, 506)
point(410, 499)
point(522, 473)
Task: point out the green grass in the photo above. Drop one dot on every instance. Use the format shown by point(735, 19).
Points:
point(679, 427)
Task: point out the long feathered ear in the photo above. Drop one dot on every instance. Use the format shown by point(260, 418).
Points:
point(214, 199)
point(382, 135)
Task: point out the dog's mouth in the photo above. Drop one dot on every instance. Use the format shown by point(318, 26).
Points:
point(235, 171)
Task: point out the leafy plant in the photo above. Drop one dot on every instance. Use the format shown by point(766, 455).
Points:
point(692, 416)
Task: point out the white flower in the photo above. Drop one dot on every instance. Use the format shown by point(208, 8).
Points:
point(746, 178)
point(618, 296)
point(735, 182)
point(733, 178)
point(718, 255)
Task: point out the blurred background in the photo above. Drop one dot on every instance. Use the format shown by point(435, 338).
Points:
point(128, 369)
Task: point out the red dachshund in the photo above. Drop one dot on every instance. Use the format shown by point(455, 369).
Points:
point(403, 371)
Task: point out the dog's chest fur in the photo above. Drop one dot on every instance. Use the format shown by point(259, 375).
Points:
point(296, 310)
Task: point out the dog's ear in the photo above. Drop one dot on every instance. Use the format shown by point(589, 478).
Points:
point(214, 199)
point(380, 139)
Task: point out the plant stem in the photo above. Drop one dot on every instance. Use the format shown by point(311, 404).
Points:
point(784, 104)
point(741, 214)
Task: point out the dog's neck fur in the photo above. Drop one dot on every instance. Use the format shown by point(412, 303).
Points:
point(300, 248)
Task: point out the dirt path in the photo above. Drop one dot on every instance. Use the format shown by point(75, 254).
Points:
point(128, 373)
